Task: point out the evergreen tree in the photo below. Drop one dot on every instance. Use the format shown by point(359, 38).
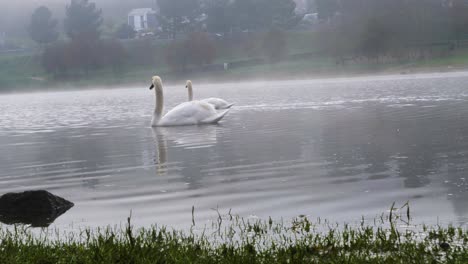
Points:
point(219, 15)
point(264, 14)
point(177, 14)
point(83, 20)
point(43, 29)
point(326, 9)
point(459, 14)
point(279, 14)
point(245, 14)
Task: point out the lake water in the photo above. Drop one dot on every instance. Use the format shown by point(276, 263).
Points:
point(337, 149)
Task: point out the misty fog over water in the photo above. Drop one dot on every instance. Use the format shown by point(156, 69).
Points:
point(339, 149)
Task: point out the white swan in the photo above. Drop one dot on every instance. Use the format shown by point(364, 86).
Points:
point(188, 113)
point(218, 103)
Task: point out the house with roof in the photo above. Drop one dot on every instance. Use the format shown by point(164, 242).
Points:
point(141, 19)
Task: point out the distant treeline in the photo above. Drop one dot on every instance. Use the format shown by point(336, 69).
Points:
point(351, 30)
point(392, 28)
point(84, 50)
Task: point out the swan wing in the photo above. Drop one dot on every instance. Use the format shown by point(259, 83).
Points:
point(218, 103)
point(215, 119)
point(190, 113)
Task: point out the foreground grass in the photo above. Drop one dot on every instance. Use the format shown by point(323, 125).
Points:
point(237, 240)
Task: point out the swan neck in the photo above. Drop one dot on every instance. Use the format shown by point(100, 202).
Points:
point(190, 93)
point(158, 110)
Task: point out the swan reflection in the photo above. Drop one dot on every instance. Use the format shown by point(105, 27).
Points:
point(188, 137)
point(161, 155)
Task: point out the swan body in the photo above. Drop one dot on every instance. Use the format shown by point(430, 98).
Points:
point(191, 113)
point(185, 114)
point(217, 103)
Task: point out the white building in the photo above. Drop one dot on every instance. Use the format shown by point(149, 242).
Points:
point(142, 19)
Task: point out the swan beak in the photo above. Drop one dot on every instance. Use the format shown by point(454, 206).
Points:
point(186, 86)
point(152, 86)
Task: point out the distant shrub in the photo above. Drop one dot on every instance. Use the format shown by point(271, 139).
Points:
point(125, 31)
point(197, 50)
point(75, 57)
point(250, 48)
point(141, 52)
point(375, 40)
point(83, 55)
point(177, 56)
point(53, 59)
point(202, 49)
point(274, 45)
point(112, 54)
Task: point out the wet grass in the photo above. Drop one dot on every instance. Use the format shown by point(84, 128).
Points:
point(19, 71)
point(458, 59)
point(232, 239)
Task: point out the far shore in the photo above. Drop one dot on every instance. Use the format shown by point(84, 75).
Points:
point(282, 71)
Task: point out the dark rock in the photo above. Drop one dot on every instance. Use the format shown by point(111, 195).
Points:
point(35, 208)
point(444, 246)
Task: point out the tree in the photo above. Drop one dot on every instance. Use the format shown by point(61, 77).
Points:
point(264, 14)
point(278, 14)
point(177, 14)
point(201, 48)
point(83, 20)
point(112, 54)
point(376, 39)
point(53, 59)
point(125, 31)
point(459, 14)
point(43, 29)
point(197, 50)
point(245, 14)
point(387, 29)
point(311, 6)
point(65, 58)
point(274, 45)
point(326, 9)
point(219, 15)
point(177, 56)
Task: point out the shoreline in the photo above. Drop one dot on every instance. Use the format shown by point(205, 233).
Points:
point(234, 76)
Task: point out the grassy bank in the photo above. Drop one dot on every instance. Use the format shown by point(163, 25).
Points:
point(29, 76)
point(236, 240)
